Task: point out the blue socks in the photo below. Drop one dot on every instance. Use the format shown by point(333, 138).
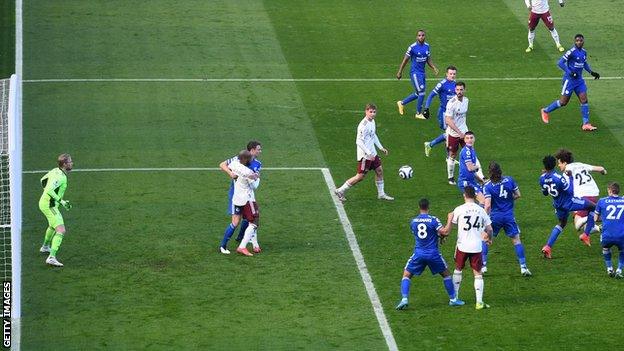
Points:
point(606, 253)
point(450, 288)
point(405, 287)
point(553, 106)
point(484, 252)
point(438, 140)
point(227, 234)
point(520, 254)
point(241, 233)
point(585, 112)
point(590, 223)
point(555, 234)
point(419, 104)
point(409, 99)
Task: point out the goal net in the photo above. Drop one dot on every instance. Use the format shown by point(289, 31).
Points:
point(11, 206)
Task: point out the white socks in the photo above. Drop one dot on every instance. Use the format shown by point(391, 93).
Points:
point(457, 279)
point(346, 186)
point(254, 239)
point(249, 232)
point(450, 167)
point(380, 187)
point(531, 37)
point(478, 285)
point(555, 36)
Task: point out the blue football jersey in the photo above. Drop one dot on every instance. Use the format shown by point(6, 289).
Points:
point(557, 186)
point(419, 54)
point(425, 229)
point(467, 154)
point(445, 89)
point(611, 210)
point(501, 195)
point(574, 61)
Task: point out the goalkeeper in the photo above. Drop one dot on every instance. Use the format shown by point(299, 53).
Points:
point(54, 184)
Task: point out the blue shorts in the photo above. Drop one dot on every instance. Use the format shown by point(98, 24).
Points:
point(417, 264)
point(462, 184)
point(575, 204)
point(508, 224)
point(418, 82)
point(441, 120)
point(569, 86)
point(607, 243)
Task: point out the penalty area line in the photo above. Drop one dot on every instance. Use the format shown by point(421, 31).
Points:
point(361, 265)
point(173, 169)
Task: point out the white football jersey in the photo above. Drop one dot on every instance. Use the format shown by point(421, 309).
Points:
point(243, 186)
point(366, 139)
point(538, 6)
point(471, 220)
point(457, 110)
point(584, 183)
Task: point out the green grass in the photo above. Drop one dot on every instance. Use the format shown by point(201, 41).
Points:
point(7, 38)
point(142, 270)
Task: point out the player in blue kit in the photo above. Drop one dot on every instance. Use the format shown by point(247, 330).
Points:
point(555, 185)
point(426, 229)
point(445, 90)
point(611, 209)
point(500, 194)
point(468, 169)
point(255, 148)
point(573, 62)
point(420, 54)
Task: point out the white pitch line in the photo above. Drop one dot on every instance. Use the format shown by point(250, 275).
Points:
point(173, 169)
point(342, 214)
point(359, 260)
point(263, 80)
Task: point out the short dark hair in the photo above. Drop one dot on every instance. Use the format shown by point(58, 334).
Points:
point(579, 35)
point(564, 155)
point(423, 204)
point(549, 162)
point(495, 172)
point(253, 144)
point(370, 106)
point(451, 67)
point(614, 187)
point(461, 83)
point(469, 192)
point(470, 132)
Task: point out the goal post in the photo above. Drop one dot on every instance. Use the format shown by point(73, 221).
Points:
point(11, 207)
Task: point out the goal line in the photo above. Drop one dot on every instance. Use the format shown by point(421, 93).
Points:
point(375, 301)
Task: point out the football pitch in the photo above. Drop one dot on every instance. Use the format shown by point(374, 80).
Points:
point(167, 90)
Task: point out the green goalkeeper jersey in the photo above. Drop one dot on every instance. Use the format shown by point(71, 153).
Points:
point(54, 184)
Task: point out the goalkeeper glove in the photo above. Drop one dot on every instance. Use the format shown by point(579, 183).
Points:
point(66, 204)
point(595, 75)
point(426, 113)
